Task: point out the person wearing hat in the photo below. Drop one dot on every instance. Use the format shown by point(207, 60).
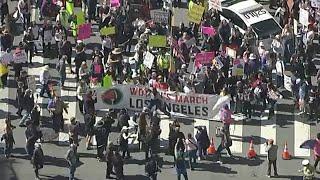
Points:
point(101, 137)
point(72, 159)
point(123, 141)
point(44, 80)
point(115, 61)
point(28, 105)
point(37, 159)
point(308, 170)
point(272, 151)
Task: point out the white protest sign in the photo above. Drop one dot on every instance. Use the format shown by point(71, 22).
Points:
point(215, 4)
point(20, 56)
point(304, 17)
point(32, 83)
point(231, 52)
point(5, 57)
point(295, 27)
point(315, 3)
point(148, 60)
point(47, 36)
point(287, 82)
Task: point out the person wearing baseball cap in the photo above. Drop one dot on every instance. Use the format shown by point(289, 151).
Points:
point(308, 169)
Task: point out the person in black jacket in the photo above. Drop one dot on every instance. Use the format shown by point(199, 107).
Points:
point(37, 159)
point(89, 121)
point(35, 116)
point(89, 101)
point(9, 141)
point(109, 159)
point(118, 163)
point(80, 57)
point(101, 138)
point(123, 119)
point(203, 142)
point(19, 99)
point(66, 49)
point(29, 44)
point(151, 167)
point(28, 105)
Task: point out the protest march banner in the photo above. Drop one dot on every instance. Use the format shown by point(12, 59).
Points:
point(203, 58)
point(304, 17)
point(70, 6)
point(157, 41)
point(195, 12)
point(114, 3)
point(84, 31)
point(215, 4)
point(210, 31)
point(134, 98)
point(148, 60)
point(231, 52)
point(159, 16)
point(108, 31)
point(238, 67)
point(20, 56)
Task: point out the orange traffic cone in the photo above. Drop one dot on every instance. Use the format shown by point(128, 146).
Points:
point(211, 149)
point(251, 152)
point(285, 154)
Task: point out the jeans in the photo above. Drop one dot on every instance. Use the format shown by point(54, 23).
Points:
point(274, 163)
point(247, 109)
point(45, 89)
point(26, 21)
point(182, 172)
point(192, 157)
point(317, 159)
point(279, 81)
point(62, 80)
point(8, 149)
point(81, 106)
point(72, 170)
point(24, 118)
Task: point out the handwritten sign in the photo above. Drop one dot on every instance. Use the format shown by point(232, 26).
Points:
point(108, 31)
point(157, 41)
point(203, 58)
point(84, 31)
point(210, 31)
point(20, 56)
point(238, 67)
point(217, 62)
point(304, 17)
point(148, 60)
point(160, 16)
point(195, 12)
point(231, 52)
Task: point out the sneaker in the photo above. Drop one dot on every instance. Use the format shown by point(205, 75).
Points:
point(220, 162)
point(268, 176)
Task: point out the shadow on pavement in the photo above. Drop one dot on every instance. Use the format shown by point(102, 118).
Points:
point(243, 161)
point(214, 167)
point(257, 140)
point(54, 161)
point(136, 177)
point(58, 177)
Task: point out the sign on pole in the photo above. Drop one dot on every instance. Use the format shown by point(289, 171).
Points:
point(148, 60)
point(195, 12)
point(108, 31)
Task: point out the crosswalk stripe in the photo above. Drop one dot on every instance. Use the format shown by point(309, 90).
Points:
point(301, 134)
point(268, 131)
point(236, 131)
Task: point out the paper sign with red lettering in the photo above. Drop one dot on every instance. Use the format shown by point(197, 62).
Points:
point(84, 31)
point(203, 58)
point(134, 98)
point(114, 3)
point(210, 31)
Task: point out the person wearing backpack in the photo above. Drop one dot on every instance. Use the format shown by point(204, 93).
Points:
point(151, 167)
point(61, 68)
point(180, 162)
point(72, 159)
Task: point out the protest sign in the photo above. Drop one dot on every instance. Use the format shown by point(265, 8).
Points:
point(148, 60)
point(231, 52)
point(160, 16)
point(195, 12)
point(295, 27)
point(80, 18)
point(135, 98)
point(6, 57)
point(47, 37)
point(210, 31)
point(157, 41)
point(315, 3)
point(32, 83)
point(84, 31)
point(20, 56)
point(217, 62)
point(114, 3)
point(70, 7)
point(287, 82)
point(108, 31)
point(304, 17)
point(215, 4)
point(203, 58)
point(107, 82)
point(238, 67)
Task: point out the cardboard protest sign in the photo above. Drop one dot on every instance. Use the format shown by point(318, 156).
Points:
point(108, 31)
point(157, 41)
point(210, 31)
point(195, 12)
point(160, 16)
point(80, 18)
point(148, 60)
point(231, 52)
point(84, 31)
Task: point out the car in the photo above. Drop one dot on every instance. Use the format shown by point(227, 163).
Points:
point(250, 13)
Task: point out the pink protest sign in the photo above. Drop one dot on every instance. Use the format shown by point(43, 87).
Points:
point(114, 3)
point(208, 31)
point(84, 31)
point(204, 58)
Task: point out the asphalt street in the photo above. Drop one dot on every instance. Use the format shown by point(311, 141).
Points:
point(286, 126)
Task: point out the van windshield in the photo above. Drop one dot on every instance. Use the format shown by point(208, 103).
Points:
point(266, 28)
